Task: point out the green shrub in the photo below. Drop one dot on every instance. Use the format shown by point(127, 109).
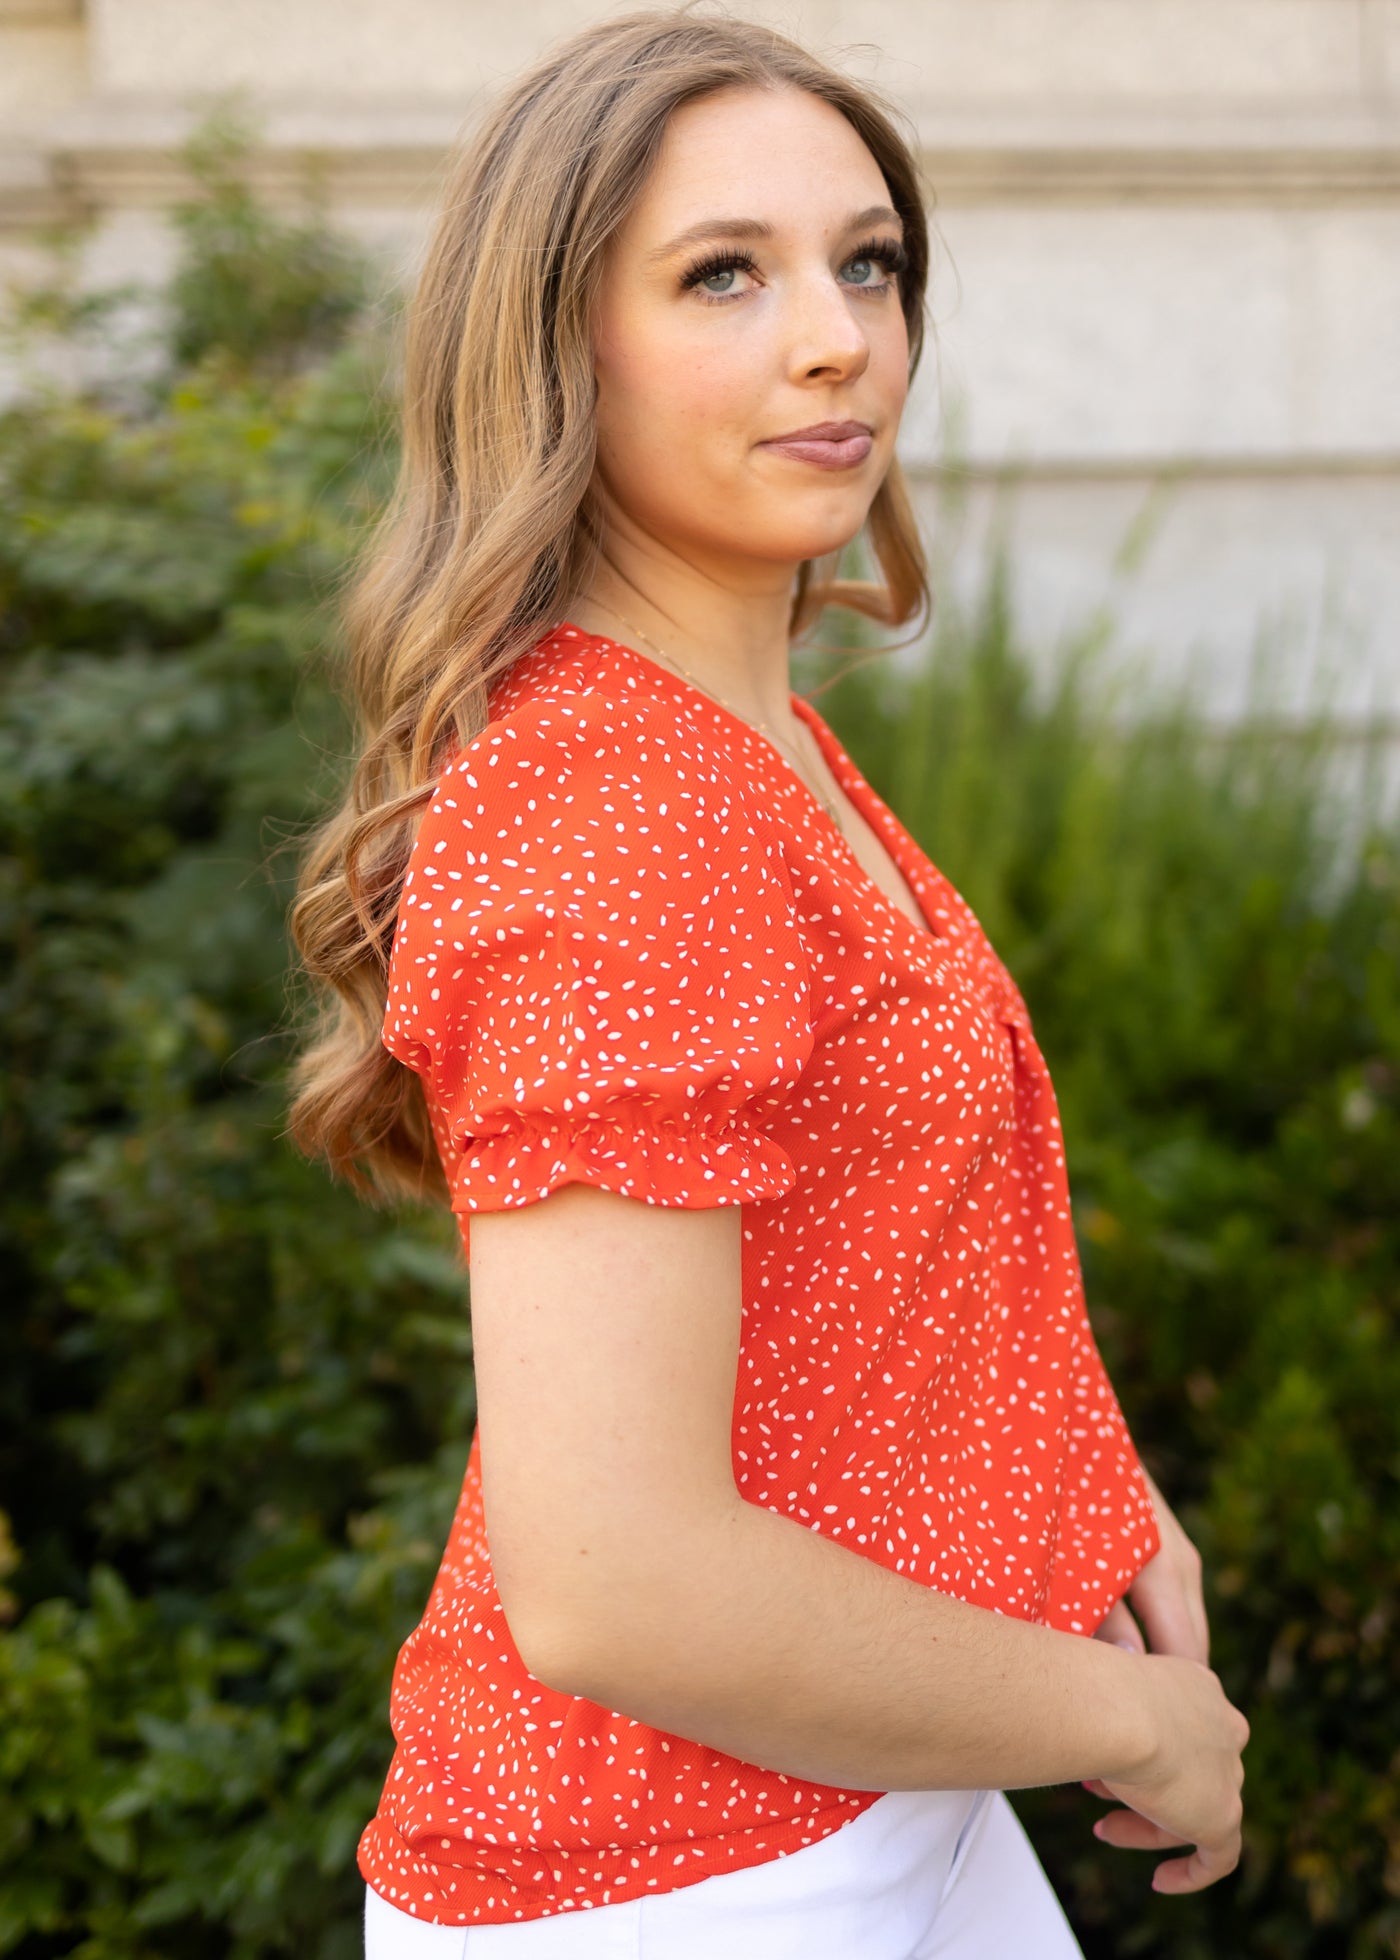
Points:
point(235, 1404)
point(1214, 975)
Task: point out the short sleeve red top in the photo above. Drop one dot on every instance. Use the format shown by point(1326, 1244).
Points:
point(633, 950)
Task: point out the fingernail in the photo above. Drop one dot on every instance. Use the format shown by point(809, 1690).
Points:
point(1129, 1644)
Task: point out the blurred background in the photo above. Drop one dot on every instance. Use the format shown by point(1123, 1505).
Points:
point(1168, 305)
point(1151, 733)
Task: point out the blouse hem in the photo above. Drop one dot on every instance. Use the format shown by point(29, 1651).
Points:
point(453, 1895)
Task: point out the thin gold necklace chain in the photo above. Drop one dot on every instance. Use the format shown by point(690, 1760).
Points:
point(771, 733)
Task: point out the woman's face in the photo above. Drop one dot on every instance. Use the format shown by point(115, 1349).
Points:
point(700, 364)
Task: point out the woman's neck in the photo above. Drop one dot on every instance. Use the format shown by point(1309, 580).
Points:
point(754, 680)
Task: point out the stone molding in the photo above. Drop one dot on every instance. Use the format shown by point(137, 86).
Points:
point(40, 13)
point(109, 154)
point(32, 194)
point(1187, 465)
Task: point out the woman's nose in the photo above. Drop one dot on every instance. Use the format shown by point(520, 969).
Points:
point(821, 328)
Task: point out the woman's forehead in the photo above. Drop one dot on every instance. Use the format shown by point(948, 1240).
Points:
point(747, 159)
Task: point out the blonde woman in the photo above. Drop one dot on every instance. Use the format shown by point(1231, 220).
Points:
point(800, 1519)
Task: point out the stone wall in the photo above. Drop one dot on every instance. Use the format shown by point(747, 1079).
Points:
point(1166, 297)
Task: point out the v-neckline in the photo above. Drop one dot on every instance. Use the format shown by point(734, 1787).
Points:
point(898, 844)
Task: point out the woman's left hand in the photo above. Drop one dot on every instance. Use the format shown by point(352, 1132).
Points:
point(1169, 1601)
point(1167, 1596)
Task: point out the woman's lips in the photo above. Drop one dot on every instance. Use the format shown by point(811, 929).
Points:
point(827, 455)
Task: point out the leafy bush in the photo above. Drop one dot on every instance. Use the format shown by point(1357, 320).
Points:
point(1214, 976)
point(237, 1404)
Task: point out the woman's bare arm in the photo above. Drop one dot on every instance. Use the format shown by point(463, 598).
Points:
point(759, 1637)
point(606, 1336)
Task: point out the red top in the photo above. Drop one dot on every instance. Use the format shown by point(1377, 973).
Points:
point(634, 951)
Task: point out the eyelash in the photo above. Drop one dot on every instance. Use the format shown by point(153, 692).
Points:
point(883, 251)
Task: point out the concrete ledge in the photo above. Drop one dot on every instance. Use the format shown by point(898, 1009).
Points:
point(1296, 465)
point(123, 150)
point(30, 195)
point(40, 13)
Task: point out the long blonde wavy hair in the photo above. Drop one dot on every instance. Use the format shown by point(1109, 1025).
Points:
point(491, 522)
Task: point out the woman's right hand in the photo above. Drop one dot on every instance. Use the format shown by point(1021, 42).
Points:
point(1188, 1789)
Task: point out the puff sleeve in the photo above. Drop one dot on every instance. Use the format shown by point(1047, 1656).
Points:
point(596, 969)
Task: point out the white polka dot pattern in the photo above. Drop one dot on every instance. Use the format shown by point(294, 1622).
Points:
point(634, 951)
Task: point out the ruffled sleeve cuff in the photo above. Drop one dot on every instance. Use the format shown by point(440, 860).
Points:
point(635, 1152)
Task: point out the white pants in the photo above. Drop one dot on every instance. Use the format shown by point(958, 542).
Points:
point(920, 1875)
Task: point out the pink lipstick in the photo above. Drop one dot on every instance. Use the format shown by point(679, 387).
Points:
point(830, 445)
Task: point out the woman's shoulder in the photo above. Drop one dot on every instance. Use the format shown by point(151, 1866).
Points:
point(585, 791)
point(571, 717)
point(587, 887)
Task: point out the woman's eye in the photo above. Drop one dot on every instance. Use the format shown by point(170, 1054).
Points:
point(888, 255)
point(725, 266)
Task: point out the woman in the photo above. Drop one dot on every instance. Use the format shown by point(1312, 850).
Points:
point(800, 1517)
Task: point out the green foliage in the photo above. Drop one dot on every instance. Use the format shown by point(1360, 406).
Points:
point(248, 283)
point(235, 1404)
point(1207, 931)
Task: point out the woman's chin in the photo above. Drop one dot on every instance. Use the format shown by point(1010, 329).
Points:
point(808, 533)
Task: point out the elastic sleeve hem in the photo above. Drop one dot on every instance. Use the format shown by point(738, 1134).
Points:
point(638, 1153)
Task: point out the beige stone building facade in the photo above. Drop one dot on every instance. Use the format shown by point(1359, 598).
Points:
point(1167, 294)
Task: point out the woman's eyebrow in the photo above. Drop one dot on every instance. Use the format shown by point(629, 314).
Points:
point(696, 234)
